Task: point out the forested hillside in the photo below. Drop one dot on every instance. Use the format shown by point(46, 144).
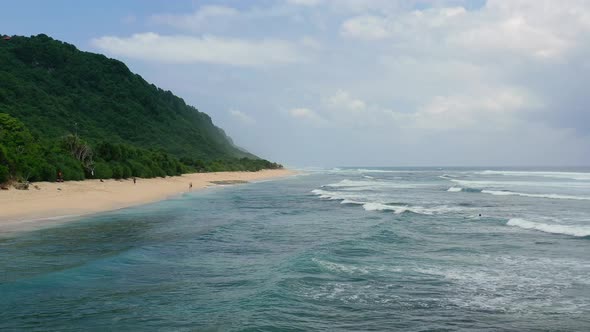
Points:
point(82, 113)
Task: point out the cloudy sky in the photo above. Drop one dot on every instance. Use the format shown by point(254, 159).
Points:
point(356, 83)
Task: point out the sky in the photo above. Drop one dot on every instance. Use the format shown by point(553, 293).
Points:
point(331, 83)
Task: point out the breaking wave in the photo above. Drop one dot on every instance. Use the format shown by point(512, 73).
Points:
point(578, 231)
point(504, 184)
point(365, 170)
point(399, 209)
point(468, 190)
point(373, 184)
point(556, 175)
point(352, 199)
point(352, 202)
point(551, 196)
point(333, 195)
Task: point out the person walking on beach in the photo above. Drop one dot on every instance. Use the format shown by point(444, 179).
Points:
point(190, 186)
point(134, 180)
point(60, 176)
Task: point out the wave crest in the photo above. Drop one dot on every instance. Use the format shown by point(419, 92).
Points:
point(556, 175)
point(578, 231)
point(551, 196)
point(399, 209)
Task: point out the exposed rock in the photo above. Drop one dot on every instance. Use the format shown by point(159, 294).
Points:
point(22, 185)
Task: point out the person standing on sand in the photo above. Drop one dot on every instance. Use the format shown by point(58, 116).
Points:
point(134, 180)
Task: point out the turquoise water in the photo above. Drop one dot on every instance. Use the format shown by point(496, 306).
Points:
point(338, 250)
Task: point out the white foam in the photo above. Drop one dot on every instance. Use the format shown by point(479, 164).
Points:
point(503, 184)
point(455, 189)
point(398, 209)
point(350, 201)
point(551, 196)
point(346, 198)
point(577, 230)
point(328, 194)
point(347, 184)
point(384, 207)
point(364, 170)
point(352, 183)
point(557, 175)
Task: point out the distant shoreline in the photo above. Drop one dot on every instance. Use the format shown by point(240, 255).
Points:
point(70, 199)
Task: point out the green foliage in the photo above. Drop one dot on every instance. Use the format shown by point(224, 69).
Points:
point(19, 152)
point(102, 170)
point(236, 165)
point(69, 167)
point(56, 90)
point(47, 172)
point(4, 173)
point(52, 96)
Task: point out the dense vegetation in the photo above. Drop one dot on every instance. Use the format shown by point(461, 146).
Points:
point(87, 116)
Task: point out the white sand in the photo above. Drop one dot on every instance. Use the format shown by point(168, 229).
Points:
point(75, 198)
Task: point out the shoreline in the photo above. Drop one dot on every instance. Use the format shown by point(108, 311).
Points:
point(73, 199)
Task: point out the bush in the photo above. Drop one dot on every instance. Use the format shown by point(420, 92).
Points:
point(125, 172)
point(26, 156)
point(102, 170)
point(117, 171)
point(70, 168)
point(138, 169)
point(73, 172)
point(47, 173)
point(4, 174)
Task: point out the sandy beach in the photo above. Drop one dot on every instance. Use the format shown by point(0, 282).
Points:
point(76, 198)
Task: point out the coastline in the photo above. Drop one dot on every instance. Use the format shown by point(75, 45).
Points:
point(71, 199)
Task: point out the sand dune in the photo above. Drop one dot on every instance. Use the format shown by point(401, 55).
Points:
point(75, 198)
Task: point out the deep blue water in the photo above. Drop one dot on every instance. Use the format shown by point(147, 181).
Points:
point(338, 250)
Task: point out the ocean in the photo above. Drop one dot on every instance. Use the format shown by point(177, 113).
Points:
point(351, 249)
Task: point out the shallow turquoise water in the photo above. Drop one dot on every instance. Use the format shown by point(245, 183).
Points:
point(340, 250)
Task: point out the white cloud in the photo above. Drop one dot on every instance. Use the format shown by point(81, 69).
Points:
point(540, 29)
point(412, 24)
point(496, 108)
point(487, 109)
point(197, 20)
point(343, 101)
point(343, 110)
point(311, 43)
point(310, 3)
point(242, 117)
point(306, 114)
point(367, 27)
point(513, 34)
point(187, 49)
point(449, 80)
